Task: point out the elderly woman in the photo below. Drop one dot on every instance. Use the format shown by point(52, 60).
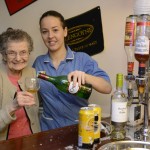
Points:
point(18, 108)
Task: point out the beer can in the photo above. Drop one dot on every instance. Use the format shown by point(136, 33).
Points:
point(97, 121)
point(86, 128)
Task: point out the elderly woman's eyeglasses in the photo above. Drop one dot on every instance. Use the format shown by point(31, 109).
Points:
point(13, 54)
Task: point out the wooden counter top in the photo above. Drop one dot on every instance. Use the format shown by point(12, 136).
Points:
point(65, 138)
point(47, 140)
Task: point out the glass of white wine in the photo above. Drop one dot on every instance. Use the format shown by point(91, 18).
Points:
point(32, 84)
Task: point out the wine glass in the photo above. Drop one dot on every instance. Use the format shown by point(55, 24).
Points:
point(32, 84)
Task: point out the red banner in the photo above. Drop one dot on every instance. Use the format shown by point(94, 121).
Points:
point(16, 5)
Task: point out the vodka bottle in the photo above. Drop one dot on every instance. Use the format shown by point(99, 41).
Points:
point(129, 42)
point(62, 84)
point(118, 110)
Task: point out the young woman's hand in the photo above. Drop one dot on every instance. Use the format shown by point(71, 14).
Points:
point(77, 76)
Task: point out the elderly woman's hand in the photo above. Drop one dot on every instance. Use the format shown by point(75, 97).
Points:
point(22, 98)
point(25, 98)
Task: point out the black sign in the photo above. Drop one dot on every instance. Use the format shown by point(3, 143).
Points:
point(85, 32)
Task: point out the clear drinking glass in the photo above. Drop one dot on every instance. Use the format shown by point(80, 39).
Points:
point(32, 84)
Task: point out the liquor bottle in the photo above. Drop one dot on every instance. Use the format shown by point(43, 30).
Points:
point(129, 42)
point(62, 84)
point(141, 85)
point(118, 110)
point(142, 47)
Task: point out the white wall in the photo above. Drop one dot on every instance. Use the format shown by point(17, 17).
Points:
point(113, 12)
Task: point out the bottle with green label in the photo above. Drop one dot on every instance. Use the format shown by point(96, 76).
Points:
point(118, 110)
point(62, 84)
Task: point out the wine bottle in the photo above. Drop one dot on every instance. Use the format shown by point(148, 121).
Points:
point(118, 110)
point(62, 84)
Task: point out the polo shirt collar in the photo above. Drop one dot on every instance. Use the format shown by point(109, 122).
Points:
point(70, 55)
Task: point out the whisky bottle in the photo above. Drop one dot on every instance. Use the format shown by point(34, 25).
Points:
point(62, 84)
point(118, 110)
point(142, 47)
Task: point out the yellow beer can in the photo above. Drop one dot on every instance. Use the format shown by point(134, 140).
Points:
point(97, 122)
point(86, 128)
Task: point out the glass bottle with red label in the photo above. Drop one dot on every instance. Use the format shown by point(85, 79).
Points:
point(142, 46)
point(129, 42)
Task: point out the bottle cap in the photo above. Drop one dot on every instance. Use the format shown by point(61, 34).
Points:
point(119, 79)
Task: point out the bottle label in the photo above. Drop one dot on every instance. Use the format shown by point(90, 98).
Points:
point(119, 111)
point(130, 67)
point(143, 24)
point(73, 89)
point(130, 33)
point(142, 45)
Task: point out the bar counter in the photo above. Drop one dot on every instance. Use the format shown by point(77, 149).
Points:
point(65, 138)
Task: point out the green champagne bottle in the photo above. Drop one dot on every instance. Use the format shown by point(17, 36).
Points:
point(62, 84)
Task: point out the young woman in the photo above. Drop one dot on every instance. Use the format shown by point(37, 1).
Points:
point(18, 108)
point(61, 109)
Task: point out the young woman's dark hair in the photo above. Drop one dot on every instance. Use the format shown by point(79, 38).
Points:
point(55, 14)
